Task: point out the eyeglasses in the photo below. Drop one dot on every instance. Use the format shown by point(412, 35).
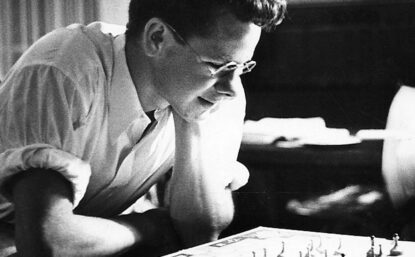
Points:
point(223, 70)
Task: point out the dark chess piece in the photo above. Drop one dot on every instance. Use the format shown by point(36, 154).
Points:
point(265, 252)
point(281, 254)
point(396, 249)
point(380, 251)
point(371, 251)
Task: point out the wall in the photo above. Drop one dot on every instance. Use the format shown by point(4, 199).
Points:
point(113, 11)
point(22, 22)
point(331, 60)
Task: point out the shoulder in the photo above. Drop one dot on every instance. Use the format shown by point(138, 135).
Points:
point(78, 51)
point(81, 54)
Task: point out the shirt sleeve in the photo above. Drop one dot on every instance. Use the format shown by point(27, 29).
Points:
point(40, 111)
point(398, 160)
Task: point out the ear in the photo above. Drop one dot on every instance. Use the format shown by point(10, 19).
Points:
point(155, 37)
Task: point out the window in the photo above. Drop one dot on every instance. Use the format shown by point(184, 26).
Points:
point(24, 21)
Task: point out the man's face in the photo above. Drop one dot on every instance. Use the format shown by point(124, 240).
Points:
point(184, 80)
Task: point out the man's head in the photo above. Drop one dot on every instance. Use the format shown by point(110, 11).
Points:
point(195, 50)
point(197, 17)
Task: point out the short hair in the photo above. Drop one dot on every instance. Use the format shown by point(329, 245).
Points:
point(195, 17)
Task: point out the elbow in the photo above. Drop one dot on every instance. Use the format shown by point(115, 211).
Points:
point(48, 248)
point(48, 239)
point(204, 227)
point(217, 222)
point(38, 246)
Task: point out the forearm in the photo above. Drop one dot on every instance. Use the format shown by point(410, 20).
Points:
point(92, 236)
point(67, 234)
point(46, 226)
point(201, 204)
point(77, 235)
point(200, 199)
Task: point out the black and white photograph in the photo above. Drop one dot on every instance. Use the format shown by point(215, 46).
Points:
point(207, 128)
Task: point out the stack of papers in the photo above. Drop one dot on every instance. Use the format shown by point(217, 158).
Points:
point(305, 131)
point(380, 134)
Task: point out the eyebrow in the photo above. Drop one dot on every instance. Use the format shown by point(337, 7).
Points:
point(220, 60)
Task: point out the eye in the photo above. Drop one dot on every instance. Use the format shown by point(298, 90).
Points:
point(214, 65)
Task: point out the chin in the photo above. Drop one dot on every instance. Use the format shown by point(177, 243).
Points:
point(197, 114)
point(194, 117)
point(199, 117)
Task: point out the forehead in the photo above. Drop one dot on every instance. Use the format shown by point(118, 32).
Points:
point(230, 40)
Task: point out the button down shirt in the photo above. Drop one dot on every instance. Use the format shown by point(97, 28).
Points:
point(69, 105)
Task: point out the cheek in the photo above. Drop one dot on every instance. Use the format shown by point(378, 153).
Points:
point(176, 72)
point(177, 62)
point(182, 77)
point(184, 81)
point(176, 85)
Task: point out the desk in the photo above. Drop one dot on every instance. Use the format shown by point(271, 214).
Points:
point(280, 174)
point(366, 154)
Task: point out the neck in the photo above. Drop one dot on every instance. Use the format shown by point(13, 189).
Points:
point(141, 75)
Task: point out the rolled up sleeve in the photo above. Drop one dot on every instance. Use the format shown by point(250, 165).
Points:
point(75, 170)
point(41, 109)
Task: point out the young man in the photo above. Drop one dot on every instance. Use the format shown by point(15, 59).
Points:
point(90, 121)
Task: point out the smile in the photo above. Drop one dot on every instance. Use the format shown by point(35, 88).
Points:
point(205, 102)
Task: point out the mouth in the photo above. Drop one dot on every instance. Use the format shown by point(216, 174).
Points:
point(205, 102)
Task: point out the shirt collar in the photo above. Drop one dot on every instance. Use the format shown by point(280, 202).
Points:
point(124, 104)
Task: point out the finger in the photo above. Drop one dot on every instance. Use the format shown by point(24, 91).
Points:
point(240, 176)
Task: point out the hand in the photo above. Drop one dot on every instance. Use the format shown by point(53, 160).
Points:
point(240, 176)
point(159, 234)
point(7, 245)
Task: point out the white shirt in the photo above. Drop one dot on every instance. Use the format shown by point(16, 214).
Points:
point(398, 161)
point(69, 104)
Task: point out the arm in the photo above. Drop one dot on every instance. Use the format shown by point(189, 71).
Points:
point(204, 175)
point(46, 225)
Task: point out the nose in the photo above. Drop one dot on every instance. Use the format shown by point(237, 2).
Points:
point(229, 86)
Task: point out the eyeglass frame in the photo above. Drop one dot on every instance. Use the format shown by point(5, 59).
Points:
point(245, 67)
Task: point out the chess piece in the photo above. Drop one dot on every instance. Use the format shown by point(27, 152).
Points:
point(339, 251)
point(281, 254)
point(396, 249)
point(311, 250)
point(371, 251)
point(320, 248)
point(380, 251)
point(308, 254)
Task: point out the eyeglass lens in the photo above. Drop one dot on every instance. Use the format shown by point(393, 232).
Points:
point(243, 68)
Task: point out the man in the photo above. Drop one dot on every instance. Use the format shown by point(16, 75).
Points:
point(90, 121)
